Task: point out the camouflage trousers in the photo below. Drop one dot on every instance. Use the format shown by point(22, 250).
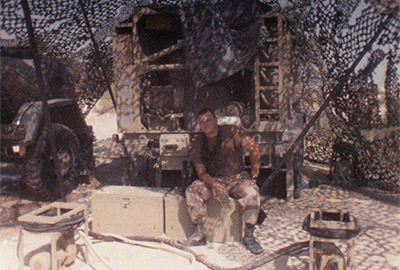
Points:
point(246, 192)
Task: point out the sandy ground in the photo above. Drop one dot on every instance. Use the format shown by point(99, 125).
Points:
point(377, 246)
point(116, 255)
point(108, 127)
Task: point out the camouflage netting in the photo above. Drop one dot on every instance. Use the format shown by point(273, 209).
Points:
point(225, 37)
point(18, 87)
point(329, 37)
point(365, 112)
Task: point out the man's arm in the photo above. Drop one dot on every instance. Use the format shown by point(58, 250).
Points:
point(203, 175)
point(250, 145)
point(217, 188)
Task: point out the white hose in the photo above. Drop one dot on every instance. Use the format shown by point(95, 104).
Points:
point(92, 249)
point(164, 247)
point(189, 256)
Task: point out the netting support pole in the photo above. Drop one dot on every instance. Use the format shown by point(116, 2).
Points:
point(97, 54)
point(336, 90)
point(42, 93)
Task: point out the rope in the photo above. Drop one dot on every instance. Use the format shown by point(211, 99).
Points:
point(331, 233)
point(64, 225)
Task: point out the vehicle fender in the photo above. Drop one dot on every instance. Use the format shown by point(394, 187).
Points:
point(30, 116)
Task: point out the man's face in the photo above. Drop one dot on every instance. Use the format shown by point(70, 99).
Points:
point(208, 124)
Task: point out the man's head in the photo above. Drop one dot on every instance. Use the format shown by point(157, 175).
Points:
point(208, 122)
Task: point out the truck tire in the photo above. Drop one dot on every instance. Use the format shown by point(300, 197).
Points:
point(40, 174)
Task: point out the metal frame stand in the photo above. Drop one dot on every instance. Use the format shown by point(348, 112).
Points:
point(325, 250)
point(40, 217)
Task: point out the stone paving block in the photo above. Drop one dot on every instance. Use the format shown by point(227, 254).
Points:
point(284, 227)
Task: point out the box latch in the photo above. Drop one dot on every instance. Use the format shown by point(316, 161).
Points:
point(126, 202)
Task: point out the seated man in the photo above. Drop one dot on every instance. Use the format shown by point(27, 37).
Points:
point(218, 159)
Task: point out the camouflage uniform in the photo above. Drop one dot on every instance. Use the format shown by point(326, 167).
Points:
point(197, 194)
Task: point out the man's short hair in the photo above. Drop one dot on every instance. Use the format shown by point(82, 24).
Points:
point(204, 111)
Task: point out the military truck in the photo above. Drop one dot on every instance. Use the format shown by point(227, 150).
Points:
point(157, 103)
point(24, 136)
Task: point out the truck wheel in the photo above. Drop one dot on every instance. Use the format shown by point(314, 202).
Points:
point(40, 174)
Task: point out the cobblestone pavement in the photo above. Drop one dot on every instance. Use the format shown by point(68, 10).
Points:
point(377, 246)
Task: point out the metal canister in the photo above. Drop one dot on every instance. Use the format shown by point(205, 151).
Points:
point(234, 108)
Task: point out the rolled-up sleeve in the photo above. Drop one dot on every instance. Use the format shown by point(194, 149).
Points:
point(239, 135)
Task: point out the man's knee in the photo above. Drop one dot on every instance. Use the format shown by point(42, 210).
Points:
point(251, 195)
point(193, 187)
point(197, 189)
point(251, 190)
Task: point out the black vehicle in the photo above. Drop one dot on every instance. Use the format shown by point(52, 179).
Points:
point(24, 135)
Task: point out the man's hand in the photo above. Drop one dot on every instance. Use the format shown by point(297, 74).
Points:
point(219, 191)
point(251, 146)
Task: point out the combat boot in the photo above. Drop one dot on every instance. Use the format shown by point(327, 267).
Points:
point(249, 241)
point(198, 238)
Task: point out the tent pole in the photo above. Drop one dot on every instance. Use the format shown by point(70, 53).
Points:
point(97, 53)
point(42, 93)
